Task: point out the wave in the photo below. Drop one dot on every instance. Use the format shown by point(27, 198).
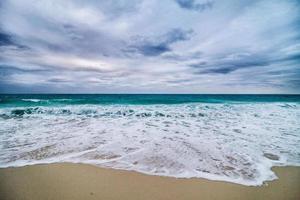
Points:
point(33, 100)
point(93, 112)
point(231, 142)
point(123, 111)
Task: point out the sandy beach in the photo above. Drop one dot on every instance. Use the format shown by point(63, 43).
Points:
point(79, 181)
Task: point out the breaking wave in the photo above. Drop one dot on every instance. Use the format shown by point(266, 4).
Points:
point(231, 142)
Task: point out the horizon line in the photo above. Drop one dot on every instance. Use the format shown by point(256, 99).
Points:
point(150, 93)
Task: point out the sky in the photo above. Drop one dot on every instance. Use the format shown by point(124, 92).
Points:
point(150, 46)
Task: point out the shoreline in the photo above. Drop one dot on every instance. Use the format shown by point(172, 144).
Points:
point(83, 181)
point(159, 175)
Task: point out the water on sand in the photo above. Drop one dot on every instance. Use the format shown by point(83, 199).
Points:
point(236, 138)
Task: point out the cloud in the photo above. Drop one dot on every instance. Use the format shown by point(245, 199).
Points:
point(144, 46)
point(231, 63)
point(158, 45)
point(152, 49)
point(193, 5)
point(5, 39)
point(58, 80)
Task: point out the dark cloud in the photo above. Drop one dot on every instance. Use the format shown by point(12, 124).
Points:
point(152, 49)
point(223, 70)
point(292, 58)
point(193, 5)
point(58, 80)
point(8, 69)
point(5, 39)
point(226, 66)
point(158, 45)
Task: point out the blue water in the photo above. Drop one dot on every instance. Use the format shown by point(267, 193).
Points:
point(8, 100)
point(235, 138)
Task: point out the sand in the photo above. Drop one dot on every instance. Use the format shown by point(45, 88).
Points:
point(78, 181)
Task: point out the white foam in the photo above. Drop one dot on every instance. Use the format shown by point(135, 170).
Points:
point(231, 142)
point(32, 100)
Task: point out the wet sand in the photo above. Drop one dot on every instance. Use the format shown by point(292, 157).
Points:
point(78, 181)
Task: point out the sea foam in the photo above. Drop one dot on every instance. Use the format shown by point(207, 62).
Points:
point(231, 142)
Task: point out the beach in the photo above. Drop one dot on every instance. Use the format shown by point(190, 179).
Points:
point(226, 138)
point(149, 147)
point(79, 181)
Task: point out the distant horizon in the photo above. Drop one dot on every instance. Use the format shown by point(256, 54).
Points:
point(150, 93)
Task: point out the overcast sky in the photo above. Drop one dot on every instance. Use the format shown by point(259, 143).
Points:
point(150, 46)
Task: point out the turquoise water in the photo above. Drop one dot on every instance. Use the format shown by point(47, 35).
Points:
point(135, 99)
point(235, 138)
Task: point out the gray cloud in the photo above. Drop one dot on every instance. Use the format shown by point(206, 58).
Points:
point(10, 41)
point(230, 64)
point(157, 45)
point(194, 5)
point(5, 39)
point(150, 46)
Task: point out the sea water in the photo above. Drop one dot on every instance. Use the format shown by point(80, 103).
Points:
point(235, 138)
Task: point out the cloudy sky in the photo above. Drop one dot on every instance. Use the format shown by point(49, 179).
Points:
point(150, 46)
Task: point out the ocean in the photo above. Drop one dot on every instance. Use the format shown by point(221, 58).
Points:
point(234, 138)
